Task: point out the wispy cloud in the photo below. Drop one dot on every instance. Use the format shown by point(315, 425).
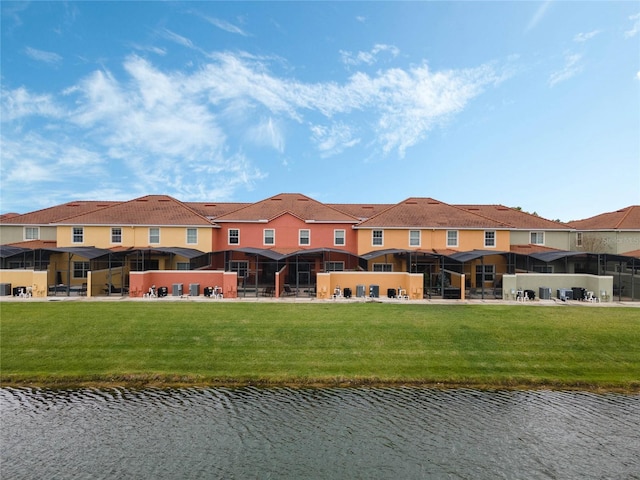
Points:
point(183, 133)
point(226, 26)
point(43, 56)
point(370, 57)
point(179, 39)
point(633, 31)
point(583, 37)
point(572, 67)
point(538, 15)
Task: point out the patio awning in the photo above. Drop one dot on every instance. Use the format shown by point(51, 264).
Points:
point(89, 253)
point(313, 251)
point(389, 251)
point(181, 251)
point(7, 251)
point(265, 252)
point(553, 256)
point(464, 257)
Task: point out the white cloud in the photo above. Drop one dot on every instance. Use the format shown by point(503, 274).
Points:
point(538, 15)
point(267, 133)
point(583, 37)
point(43, 56)
point(571, 68)
point(334, 139)
point(20, 103)
point(179, 39)
point(633, 31)
point(638, 75)
point(224, 25)
point(370, 57)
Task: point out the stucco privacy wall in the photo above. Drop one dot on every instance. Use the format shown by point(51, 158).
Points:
point(37, 280)
point(140, 282)
point(327, 282)
point(533, 281)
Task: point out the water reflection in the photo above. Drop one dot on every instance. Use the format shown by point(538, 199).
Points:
point(324, 433)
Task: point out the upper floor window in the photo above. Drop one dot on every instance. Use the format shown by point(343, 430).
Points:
point(376, 237)
point(116, 235)
point(304, 237)
point(78, 235)
point(338, 237)
point(32, 233)
point(154, 235)
point(537, 238)
point(234, 236)
point(269, 236)
point(452, 238)
point(192, 235)
point(578, 239)
point(414, 238)
point(490, 238)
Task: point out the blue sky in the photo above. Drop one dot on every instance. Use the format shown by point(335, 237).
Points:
point(530, 104)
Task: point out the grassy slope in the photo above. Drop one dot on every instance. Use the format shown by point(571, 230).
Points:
point(136, 343)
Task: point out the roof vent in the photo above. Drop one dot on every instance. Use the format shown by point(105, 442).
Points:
point(142, 200)
point(411, 202)
point(433, 202)
point(276, 199)
point(303, 199)
point(210, 205)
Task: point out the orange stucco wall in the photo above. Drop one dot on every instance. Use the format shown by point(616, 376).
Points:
point(287, 229)
point(411, 282)
point(140, 282)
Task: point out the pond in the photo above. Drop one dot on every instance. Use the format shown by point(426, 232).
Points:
point(368, 433)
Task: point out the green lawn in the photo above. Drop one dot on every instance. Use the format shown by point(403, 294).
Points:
point(196, 343)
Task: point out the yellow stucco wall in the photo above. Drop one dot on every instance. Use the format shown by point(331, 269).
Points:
point(411, 282)
point(37, 280)
point(431, 239)
point(136, 236)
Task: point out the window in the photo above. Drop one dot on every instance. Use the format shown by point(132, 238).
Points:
point(578, 239)
point(382, 267)
point(414, 238)
point(489, 273)
point(78, 234)
point(80, 269)
point(545, 269)
point(154, 235)
point(240, 266)
point(116, 235)
point(183, 266)
point(32, 233)
point(269, 236)
point(537, 238)
point(304, 237)
point(376, 237)
point(334, 266)
point(490, 239)
point(234, 236)
point(452, 238)
point(339, 237)
point(192, 235)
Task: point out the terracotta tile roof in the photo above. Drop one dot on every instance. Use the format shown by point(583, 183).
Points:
point(54, 214)
point(215, 209)
point(35, 244)
point(147, 210)
point(361, 211)
point(429, 213)
point(296, 204)
point(7, 216)
point(515, 218)
point(633, 253)
point(529, 249)
point(624, 219)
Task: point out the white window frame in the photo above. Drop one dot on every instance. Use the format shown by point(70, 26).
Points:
point(272, 237)
point(377, 240)
point(114, 235)
point(80, 269)
point(411, 239)
point(241, 267)
point(230, 237)
point(452, 233)
point(301, 237)
point(31, 233)
point(334, 266)
point(383, 267)
point(77, 234)
point(193, 233)
point(490, 239)
point(153, 235)
point(536, 235)
point(579, 239)
point(489, 272)
point(338, 240)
